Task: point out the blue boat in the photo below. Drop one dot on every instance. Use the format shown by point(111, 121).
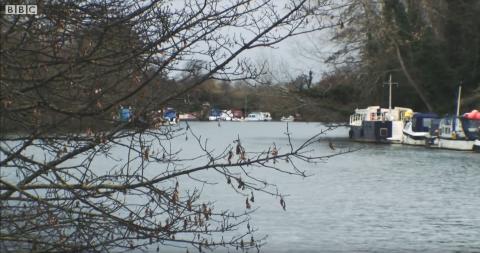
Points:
point(170, 116)
point(215, 114)
point(418, 126)
point(125, 114)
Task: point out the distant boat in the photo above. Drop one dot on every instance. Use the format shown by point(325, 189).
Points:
point(187, 117)
point(417, 128)
point(287, 119)
point(215, 114)
point(237, 115)
point(259, 116)
point(169, 116)
point(125, 114)
point(267, 116)
point(238, 119)
point(226, 115)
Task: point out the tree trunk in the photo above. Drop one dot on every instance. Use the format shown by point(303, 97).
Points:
point(410, 79)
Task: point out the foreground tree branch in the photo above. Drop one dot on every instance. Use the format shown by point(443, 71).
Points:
point(74, 178)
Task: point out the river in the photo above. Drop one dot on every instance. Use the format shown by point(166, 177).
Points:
point(382, 198)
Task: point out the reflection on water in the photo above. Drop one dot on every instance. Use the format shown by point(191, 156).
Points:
point(383, 198)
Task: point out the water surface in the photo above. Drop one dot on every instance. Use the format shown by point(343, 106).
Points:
point(383, 198)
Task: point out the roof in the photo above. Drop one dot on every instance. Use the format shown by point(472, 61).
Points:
point(425, 115)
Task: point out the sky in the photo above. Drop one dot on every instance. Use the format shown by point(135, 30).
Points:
point(296, 55)
point(305, 52)
point(291, 57)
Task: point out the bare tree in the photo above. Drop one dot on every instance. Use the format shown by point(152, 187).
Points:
point(73, 178)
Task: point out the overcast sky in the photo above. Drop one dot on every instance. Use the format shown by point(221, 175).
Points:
point(296, 55)
point(291, 57)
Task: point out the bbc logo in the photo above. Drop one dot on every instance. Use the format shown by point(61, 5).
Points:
point(21, 9)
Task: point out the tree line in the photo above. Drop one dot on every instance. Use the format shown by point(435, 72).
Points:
point(429, 47)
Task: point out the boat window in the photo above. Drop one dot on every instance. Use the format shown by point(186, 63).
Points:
point(383, 132)
point(414, 124)
point(423, 124)
point(427, 121)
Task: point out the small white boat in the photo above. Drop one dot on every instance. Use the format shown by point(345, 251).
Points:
point(459, 132)
point(417, 128)
point(287, 119)
point(258, 116)
point(226, 115)
point(187, 117)
point(217, 114)
point(254, 116)
point(266, 116)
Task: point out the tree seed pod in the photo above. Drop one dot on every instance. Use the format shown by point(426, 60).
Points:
point(230, 155)
point(274, 152)
point(238, 149)
point(282, 203)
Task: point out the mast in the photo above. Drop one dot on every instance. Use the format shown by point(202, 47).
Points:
point(454, 125)
point(390, 94)
point(458, 100)
point(390, 83)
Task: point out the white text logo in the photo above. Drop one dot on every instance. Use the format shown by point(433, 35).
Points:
point(21, 9)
